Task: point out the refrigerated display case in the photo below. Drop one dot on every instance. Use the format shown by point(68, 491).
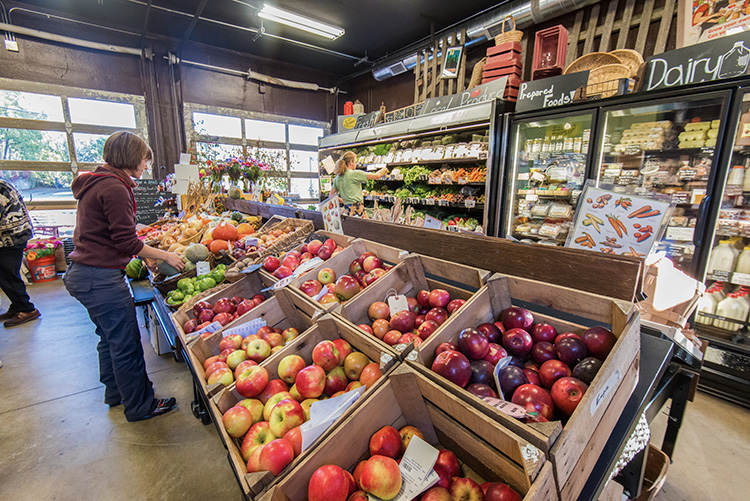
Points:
point(548, 162)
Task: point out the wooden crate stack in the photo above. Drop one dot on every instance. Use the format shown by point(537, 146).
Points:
point(504, 60)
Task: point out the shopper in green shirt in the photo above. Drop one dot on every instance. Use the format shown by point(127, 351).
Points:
point(348, 184)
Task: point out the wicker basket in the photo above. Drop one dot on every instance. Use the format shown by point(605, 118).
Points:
point(302, 227)
point(164, 284)
point(512, 35)
point(191, 240)
point(600, 79)
point(476, 73)
point(591, 62)
point(630, 58)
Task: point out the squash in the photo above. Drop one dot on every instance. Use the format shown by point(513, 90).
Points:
point(218, 245)
point(224, 231)
point(245, 229)
point(196, 252)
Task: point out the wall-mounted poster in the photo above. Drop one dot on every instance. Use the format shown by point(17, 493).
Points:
point(451, 62)
point(704, 20)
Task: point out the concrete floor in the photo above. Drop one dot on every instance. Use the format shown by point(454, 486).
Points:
point(59, 441)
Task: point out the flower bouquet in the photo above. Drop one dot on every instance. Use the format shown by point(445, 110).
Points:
point(41, 248)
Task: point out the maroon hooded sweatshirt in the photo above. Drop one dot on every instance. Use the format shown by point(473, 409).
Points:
point(105, 233)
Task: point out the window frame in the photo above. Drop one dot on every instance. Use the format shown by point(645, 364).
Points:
point(69, 128)
point(193, 137)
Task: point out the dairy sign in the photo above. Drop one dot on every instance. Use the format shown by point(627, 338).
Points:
point(720, 59)
point(479, 94)
point(550, 92)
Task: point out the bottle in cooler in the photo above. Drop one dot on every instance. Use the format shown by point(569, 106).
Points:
point(723, 257)
point(743, 261)
point(706, 304)
point(736, 176)
point(719, 292)
point(731, 307)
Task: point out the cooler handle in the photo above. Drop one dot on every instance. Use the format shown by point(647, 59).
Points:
point(700, 225)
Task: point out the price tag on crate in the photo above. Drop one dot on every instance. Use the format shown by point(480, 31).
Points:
point(397, 303)
point(247, 328)
point(416, 469)
point(470, 204)
point(202, 268)
point(252, 268)
point(506, 407)
point(212, 327)
point(462, 180)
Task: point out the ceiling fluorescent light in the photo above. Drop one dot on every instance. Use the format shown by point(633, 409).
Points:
point(277, 15)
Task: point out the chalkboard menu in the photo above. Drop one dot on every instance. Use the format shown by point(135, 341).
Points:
point(150, 204)
point(550, 92)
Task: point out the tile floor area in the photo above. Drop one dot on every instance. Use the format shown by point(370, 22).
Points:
point(58, 440)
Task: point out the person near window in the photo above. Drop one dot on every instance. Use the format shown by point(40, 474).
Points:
point(15, 231)
point(105, 240)
point(348, 184)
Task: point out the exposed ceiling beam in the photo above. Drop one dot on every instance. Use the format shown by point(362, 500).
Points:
point(194, 21)
point(145, 24)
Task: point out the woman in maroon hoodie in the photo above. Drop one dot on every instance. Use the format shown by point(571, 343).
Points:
point(105, 240)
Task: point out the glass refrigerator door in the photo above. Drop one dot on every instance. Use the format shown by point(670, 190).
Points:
point(548, 168)
point(664, 151)
point(728, 269)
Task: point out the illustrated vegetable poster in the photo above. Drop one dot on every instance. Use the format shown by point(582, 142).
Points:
point(331, 215)
point(617, 223)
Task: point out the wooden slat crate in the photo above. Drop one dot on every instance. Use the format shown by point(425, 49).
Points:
point(249, 285)
point(327, 328)
point(340, 264)
point(399, 402)
point(415, 273)
point(280, 311)
point(574, 449)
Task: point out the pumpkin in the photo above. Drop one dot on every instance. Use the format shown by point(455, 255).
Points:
point(218, 245)
point(245, 229)
point(224, 231)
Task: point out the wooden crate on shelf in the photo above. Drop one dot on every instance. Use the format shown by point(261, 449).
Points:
point(574, 449)
point(415, 273)
point(280, 310)
point(469, 434)
point(328, 327)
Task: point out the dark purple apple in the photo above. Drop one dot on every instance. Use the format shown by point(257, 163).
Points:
point(517, 318)
point(518, 342)
point(599, 341)
point(511, 377)
point(571, 350)
point(586, 369)
point(481, 372)
point(543, 332)
point(403, 321)
point(543, 351)
point(491, 332)
point(517, 361)
point(473, 344)
point(453, 366)
point(481, 390)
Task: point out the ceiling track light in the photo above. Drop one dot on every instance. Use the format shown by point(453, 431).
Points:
point(300, 22)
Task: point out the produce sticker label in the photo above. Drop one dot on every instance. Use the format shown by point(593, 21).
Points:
point(618, 223)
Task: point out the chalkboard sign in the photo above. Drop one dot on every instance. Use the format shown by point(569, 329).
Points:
point(550, 92)
point(479, 94)
point(725, 57)
point(150, 204)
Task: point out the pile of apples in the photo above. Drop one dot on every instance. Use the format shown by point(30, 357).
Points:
point(268, 420)
point(238, 354)
point(224, 310)
point(548, 372)
point(380, 475)
point(284, 265)
point(363, 271)
point(428, 311)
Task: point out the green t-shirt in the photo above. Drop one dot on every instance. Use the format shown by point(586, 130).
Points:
point(349, 186)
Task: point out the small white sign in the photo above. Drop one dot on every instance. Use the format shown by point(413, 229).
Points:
point(679, 234)
point(509, 408)
point(212, 327)
point(601, 396)
point(532, 197)
point(538, 176)
point(324, 412)
point(328, 164)
point(247, 328)
point(202, 268)
point(431, 222)
point(397, 303)
point(416, 469)
point(184, 158)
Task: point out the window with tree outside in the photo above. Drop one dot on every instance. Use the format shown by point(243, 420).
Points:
point(291, 144)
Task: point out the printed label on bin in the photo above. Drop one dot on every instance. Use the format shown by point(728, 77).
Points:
point(416, 469)
point(212, 327)
point(509, 408)
point(324, 412)
point(252, 268)
point(307, 266)
point(202, 268)
point(397, 303)
point(246, 329)
point(602, 394)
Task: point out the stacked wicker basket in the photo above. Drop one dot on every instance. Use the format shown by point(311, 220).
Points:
point(607, 69)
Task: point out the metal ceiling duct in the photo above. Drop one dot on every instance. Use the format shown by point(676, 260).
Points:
point(484, 26)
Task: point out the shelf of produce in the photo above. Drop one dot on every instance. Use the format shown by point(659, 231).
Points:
point(426, 202)
point(574, 449)
point(471, 160)
point(406, 399)
point(420, 181)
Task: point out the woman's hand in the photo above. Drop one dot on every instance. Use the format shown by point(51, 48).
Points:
point(175, 260)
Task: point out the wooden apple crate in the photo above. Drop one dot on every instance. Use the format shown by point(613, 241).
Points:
point(249, 285)
point(445, 423)
point(280, 311)
point(328, 327)
point(415, 273)
point(574, 449)
point(340, 264)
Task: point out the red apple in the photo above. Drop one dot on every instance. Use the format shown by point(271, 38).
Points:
point(282, 272)
point(366, 328)
point(236, 358)
point(439, 298)
point(495, 353)
point(328, 483)
point(326, 276)
point(289, 366)
point(543, 351)
point(206, 315)
point(274, 387)
point(232, 341)
point(214, 367)
point(437, 315)
point(517, 342)
point(437, 494)
point(325, 253)
point(370, 374)
point(445, 347)
point(326, 355)
point(258, 435)
point(403, 321)
point(567, 393)
point(329, 298)
point(258, 350)
point(453, 366)
point(454, 305)
point(552, 370)
point(243, 366)
point(491, 332)
point(380, 327)
point(245, 306)
point(381, 476)
point(567, 334)
point(355, 266)
point(423, 298)
point(414, 305)
point(200, 306)
point(511, 377)
point(237, 420)
point(391, 337)
point(252, 381)
point(364, 256)
point(346, 287)
point(599, 341)
point(190, 326)
point(466, 489)
point(344, 349)
point(473, 344)
point(294, 436)
point(289, 333)
point(275, 456)
point(221, 375)
point(427, 328)
point(498, 491)
point(285, 415)
point(481, 390)
point(336, 381)
point(586, 369)
point(535, 399)
point(223, 305)
point(271, 263)
point(222, 318)
point(371, 262)
point(374, 275)
point(386, 442)
point(517, 318)
point(311, 381)
point(533, 376)
point(331, 244)
point(313, 246)
point(311, 287)
point(543, 332)
point(377, 310)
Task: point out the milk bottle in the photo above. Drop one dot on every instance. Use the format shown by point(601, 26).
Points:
point(706, 304)
point(732, 307)
point(723, 257)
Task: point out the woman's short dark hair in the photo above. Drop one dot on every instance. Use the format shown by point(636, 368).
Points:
point(125, 150)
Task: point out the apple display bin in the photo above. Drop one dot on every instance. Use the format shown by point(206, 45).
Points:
point(574, 449)
point(280, 310)
point(415, 273)
point(249, 285)
point(445, 423)
point(328, 327)
point(340, 265)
